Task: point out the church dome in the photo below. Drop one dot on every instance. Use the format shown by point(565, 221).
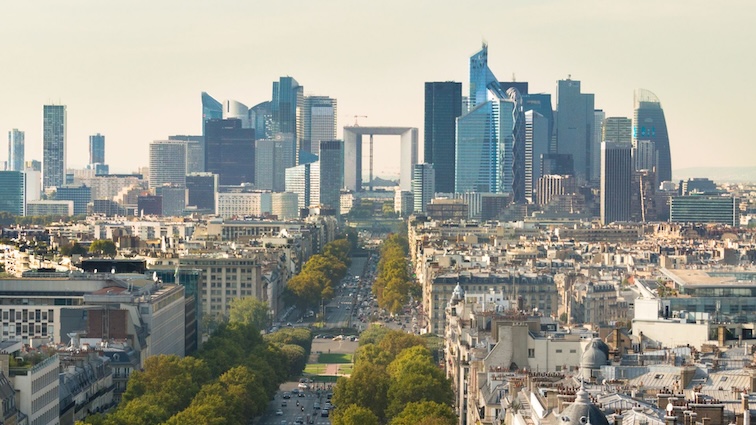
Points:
point(582, 412)
point(596, 354)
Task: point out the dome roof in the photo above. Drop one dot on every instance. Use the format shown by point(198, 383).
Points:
point(596, 354)
point(582, 412)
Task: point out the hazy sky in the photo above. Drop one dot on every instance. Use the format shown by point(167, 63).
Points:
point(133, 71)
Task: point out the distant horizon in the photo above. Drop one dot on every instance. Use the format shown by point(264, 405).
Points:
point(136, 77)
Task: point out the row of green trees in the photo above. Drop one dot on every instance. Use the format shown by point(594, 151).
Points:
point(316, 282)
point(395, 381)
point(230, 380)
point(393, 284)
point(8, 219)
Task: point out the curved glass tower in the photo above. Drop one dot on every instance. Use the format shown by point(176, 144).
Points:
point(649, 124)
point(211, 109)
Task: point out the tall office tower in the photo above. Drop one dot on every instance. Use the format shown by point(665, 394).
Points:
point(97, 149)
point(649, 124)
point(201, 189)
point(15, 150)
point(536, 145)
point(617, 129)
point(286, 105)
point(443, 105)
point(167, 163)
point(272, 158)
point(556, 163)
point(195, 152)
point(642, 205)
point(33, 165)
point(261, 119)
point(54, 146)
point(598, 123)
point(574, 126)
point(541, 103)
point(33, 184)
point(318, 121)
point(284, 205)
point(644, 155)
point(551, 185)
point(211, 109)
point(81, 196)
point(331, 173)
point(174, 199)
point(616, 178)
point(490, 141)
point(13, 192)
point(304, 180)
point(423, 186)
point(236, 110)
point(230, 151)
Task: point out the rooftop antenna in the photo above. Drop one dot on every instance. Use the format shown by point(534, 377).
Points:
point(513, 77)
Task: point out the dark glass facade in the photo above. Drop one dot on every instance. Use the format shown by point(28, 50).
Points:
point(97, 149)
point(230, 151)
point(201, 190)
point(80, 195)
point(649, 124)
point(211, 109)
point(12, 192)
point(443, 104)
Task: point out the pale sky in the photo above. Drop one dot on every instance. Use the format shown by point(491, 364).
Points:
point(134, 70)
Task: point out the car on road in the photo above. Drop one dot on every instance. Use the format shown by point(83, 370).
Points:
point(284, 404)
point(300, 420)
point(316, 406)
point(303, 386)
point(324, 413)
point(286, 395)
point(279, 412)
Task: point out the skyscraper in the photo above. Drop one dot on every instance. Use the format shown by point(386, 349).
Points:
point(616, 180)
point(195, 152)
point(649, 124)
point(54, 146)
point(423, 185)
point(644, 155)
point(286, 106)
point(304, 180)
point(617, 129)
point(236, 110)
point(167, 163)
point(261, 119)
point(12, 192)
point(443, 105)
point(536, 144)
point(574, 126)
point(211, 109)
point(598, 124)
point(318, 121)
point(15, 150)
point(490, 142)
point(272, 158)
point(97, 149)
point(201, 188)
point(331, 173)
point(230, 151)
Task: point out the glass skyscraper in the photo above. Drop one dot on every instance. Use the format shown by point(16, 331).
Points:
point(12, 192)
point(211, 109)
point(272, 158)
point(616, 180)
point(286, 106)
point(167, 163)
point(574, 126)
point(443, 105)
point(649, 124)
point(490, 142)
point(423, 186)
point(97, 149)
point(53, 146)
point(15, 150)
point(331, 173)
point(230, 151)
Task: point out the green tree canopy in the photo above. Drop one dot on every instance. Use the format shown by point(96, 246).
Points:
point(250, 311)
point(103, 247)
point(425, 412)
point(354, 415)
point(366, 387)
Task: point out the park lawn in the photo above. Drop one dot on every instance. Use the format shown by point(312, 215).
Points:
point(335, 358)
point(346, 369)
point(315, 368)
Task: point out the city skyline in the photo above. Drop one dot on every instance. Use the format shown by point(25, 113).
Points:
point(142, 82)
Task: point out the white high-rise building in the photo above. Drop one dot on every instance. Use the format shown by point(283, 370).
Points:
point(54, 146)
point(15, 150)
point(598, 122)
point(167, 163)
point(285, 205)
point(241, 204)
point(236, 110)
point(423, 185)
point(304, 180)
point(272, 158)
point(319, 121)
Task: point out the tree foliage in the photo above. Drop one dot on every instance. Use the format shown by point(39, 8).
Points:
point(316, 282)
point(393, 284)
point(72, 249)
point(250, 311)
point(103, 247)
point(425, 412)
point(354, 414)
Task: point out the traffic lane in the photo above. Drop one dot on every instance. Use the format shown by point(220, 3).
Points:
point(296, 407)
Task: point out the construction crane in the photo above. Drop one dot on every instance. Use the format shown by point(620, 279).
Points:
point(356, 124)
